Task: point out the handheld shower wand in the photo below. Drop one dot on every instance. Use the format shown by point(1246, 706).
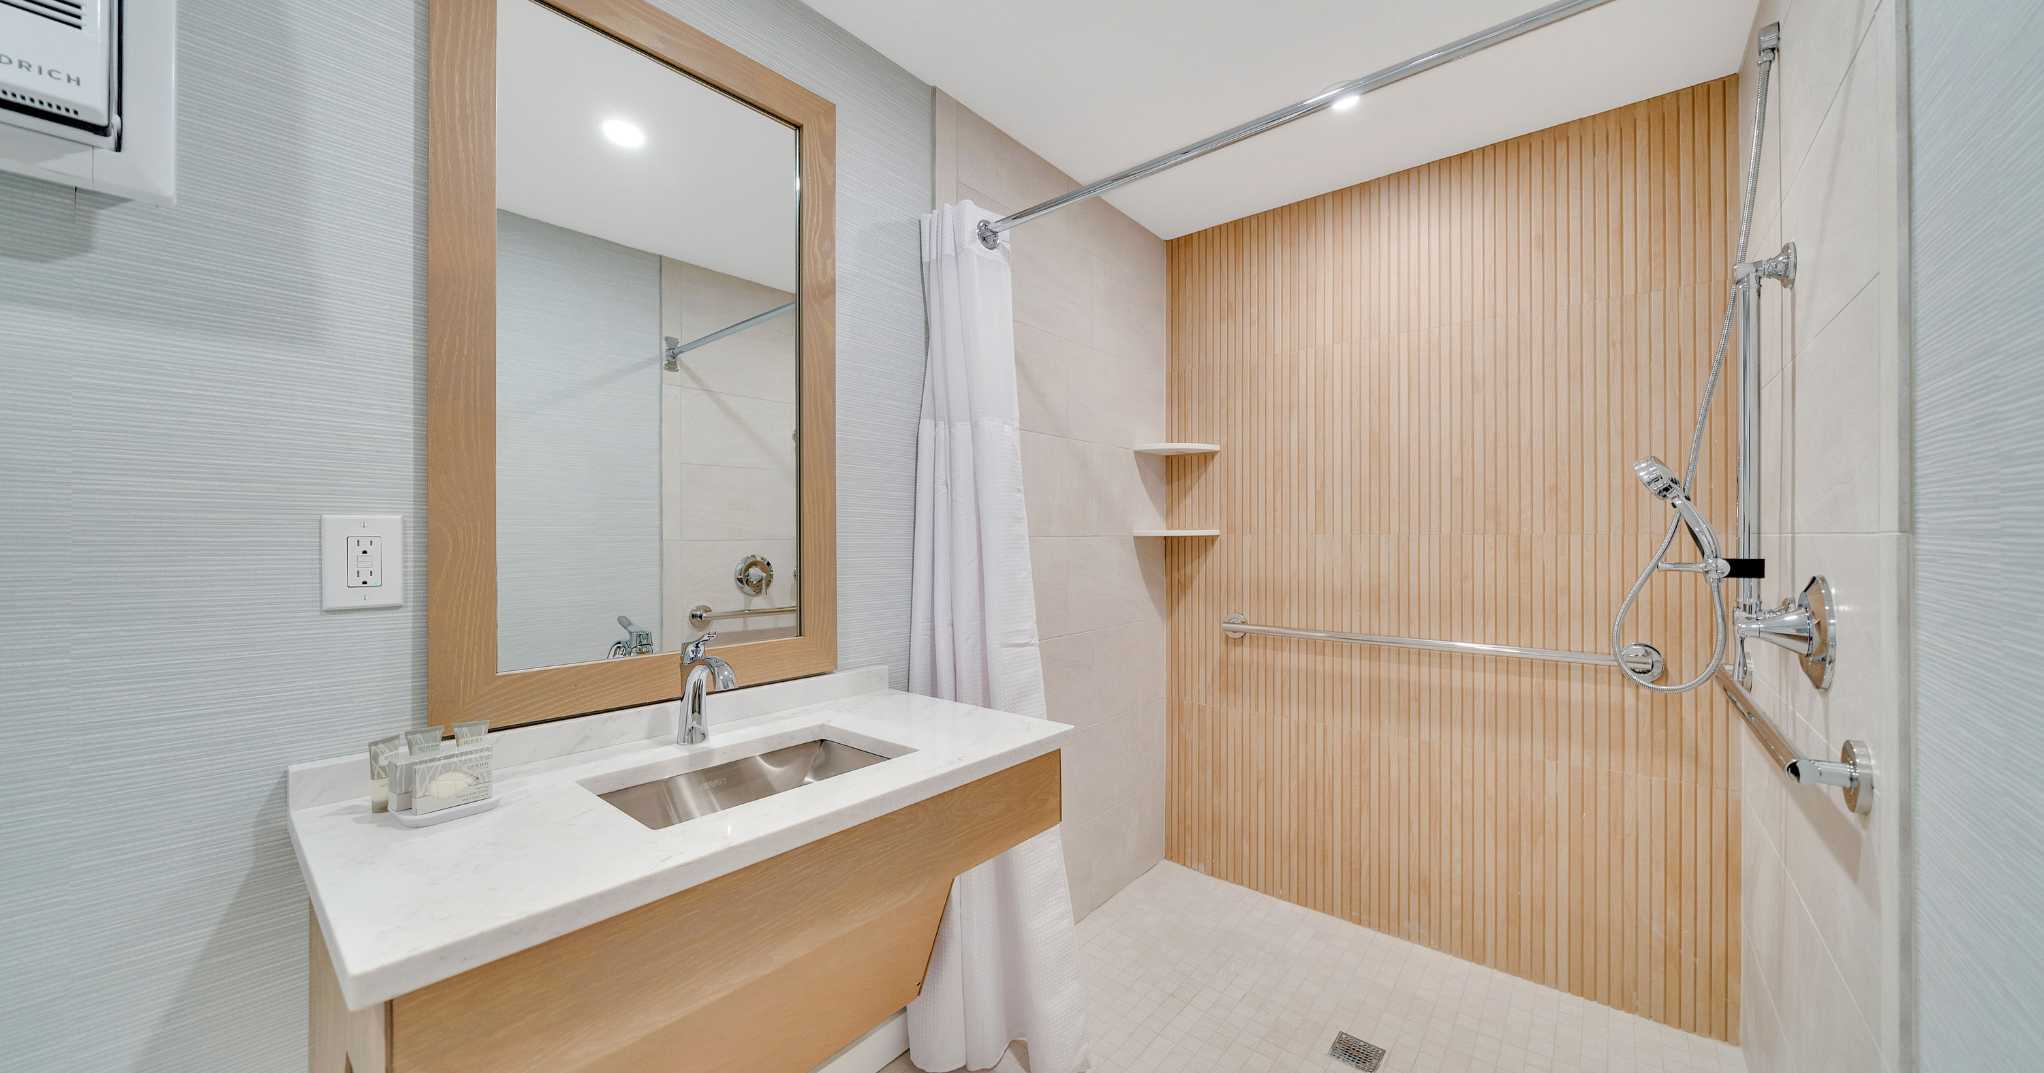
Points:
point(1662, 482)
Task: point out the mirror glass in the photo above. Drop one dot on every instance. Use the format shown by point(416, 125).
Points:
point(647, 359)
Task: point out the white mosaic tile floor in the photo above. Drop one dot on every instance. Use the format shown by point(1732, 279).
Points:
point(1187, 974)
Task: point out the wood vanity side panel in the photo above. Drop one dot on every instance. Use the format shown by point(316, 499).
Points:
point(340, 1040)
point(768, 970)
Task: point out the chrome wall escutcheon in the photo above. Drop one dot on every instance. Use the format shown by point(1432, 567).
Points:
point(1823, 654)
point(754, 575)
point(1859, 756)
point(1645, 659)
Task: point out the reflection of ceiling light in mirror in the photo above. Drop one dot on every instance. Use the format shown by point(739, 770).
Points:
point(624, 133)
point(1346, 102)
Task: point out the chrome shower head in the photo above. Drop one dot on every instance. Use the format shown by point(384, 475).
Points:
point(1658, 478)
point(1667, 487)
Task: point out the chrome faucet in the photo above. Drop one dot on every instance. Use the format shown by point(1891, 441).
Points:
point(702, 667)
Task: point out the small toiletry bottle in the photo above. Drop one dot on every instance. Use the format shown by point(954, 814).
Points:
point(423, 742)
point(400, 769)
point(381, 752)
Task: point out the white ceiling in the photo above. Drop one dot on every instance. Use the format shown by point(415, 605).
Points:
point(714, 185)
point(1096, 85)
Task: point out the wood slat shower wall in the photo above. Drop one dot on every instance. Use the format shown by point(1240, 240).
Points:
point(1428, 389)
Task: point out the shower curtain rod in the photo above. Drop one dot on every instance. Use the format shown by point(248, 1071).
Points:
point(990, 230)
point(676, 348)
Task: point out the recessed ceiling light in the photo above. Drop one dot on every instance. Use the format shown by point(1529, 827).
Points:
point(624, 133)
point(1346, 101)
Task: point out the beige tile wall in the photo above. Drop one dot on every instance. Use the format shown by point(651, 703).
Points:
point(1089, 351)
point(1823, 919)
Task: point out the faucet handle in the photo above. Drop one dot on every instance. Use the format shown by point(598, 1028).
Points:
point(695, 648)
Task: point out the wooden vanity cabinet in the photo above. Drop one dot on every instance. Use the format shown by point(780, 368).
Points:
point(771, 969)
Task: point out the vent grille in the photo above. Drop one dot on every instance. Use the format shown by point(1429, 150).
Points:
point(1364, 1056)
point(33, 101)
point(66, 12)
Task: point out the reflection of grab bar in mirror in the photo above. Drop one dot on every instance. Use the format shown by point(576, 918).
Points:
point(702, 614)
point(676, 348)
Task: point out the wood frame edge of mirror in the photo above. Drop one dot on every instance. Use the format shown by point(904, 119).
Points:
point(463, 680)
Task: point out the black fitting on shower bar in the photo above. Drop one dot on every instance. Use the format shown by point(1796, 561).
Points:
point(1746, 568)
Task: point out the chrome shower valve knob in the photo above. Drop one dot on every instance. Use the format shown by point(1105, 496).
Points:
point(1805, 624)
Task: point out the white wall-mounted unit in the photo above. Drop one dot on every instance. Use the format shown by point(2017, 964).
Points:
point(60, 68)
point(88, 94)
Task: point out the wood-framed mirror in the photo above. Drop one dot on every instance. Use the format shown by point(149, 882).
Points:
point(630, 357)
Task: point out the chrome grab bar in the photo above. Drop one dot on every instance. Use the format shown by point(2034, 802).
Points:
point(1852, 772)
point(1642, 658)
point(703, 615)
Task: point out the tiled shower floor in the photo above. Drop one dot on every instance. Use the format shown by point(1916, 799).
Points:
point(1187, 974)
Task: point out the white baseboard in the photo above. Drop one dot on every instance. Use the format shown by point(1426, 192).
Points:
point(874, 1050)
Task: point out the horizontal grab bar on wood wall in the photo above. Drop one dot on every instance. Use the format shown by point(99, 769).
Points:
point(1642, 658)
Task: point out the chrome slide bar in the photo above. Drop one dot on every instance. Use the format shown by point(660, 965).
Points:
point(1852, 773)
point(990, 230)
point(1643, 658)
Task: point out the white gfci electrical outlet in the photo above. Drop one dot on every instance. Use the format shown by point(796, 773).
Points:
point(361, 561)
point(365, 562)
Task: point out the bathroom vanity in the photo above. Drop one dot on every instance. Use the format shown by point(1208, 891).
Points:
point(560, 932)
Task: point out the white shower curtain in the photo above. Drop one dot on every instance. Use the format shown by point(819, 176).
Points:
point(1005, 966)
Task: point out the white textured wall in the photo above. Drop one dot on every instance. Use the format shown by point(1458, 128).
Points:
point(1821, 888)
point(1089, 354)
point(578, 443)
point(1976, 72)
point(182, 392)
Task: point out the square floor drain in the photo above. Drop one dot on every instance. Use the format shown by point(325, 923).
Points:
point(1364, 1056)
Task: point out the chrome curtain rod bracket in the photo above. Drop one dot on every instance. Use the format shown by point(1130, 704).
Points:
point(989, 232)
point(1643, 659)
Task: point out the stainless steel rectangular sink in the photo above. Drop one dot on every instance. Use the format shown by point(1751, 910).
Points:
point(692, 794)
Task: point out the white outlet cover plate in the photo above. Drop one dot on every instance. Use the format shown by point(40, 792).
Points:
point(334, 531)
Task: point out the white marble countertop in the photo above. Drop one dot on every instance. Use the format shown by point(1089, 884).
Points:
point(402, 907)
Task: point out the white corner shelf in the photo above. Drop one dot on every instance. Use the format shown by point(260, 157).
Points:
point(1178, 532)
point(1176, 448)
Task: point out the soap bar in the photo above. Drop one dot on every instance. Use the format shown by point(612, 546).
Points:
point(452, 777)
